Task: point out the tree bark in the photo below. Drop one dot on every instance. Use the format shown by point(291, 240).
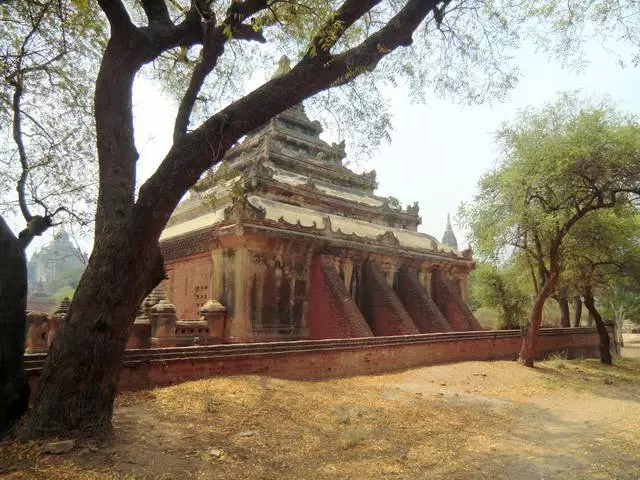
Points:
point(605, 351)
point(14, 388)
point(79, 381)
point(530, 339)
point(563, 303)
point(577, 311)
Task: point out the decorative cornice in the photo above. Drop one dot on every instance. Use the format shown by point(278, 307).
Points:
point(315, 196)
point(242, 209)
point(189, 244)
point(388, 238)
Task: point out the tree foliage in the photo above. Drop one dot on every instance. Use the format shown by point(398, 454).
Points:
point(622, 301)
point(601, 249)
point(48, 58)
point(560, 164)
point(497, 287)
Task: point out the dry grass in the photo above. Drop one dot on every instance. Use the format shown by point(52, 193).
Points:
point(462, 421)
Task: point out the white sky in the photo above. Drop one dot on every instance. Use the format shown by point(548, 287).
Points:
point(439, 149)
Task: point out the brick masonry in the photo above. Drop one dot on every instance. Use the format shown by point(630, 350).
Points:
point(452, 305)
point(318, 359)
point(381, 307)
point(419, 304)
point(189, 284)
point(332, 313)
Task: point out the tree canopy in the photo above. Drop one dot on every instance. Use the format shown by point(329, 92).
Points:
point(560, 164)
point(49, 52)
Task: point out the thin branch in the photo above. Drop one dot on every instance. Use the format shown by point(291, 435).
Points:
point(334, 28)
point(212, 48)
point(117, 15)
point(22, 154)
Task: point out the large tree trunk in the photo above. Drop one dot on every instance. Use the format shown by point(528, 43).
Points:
point(563, 303)
point(577, 310)
point(14, 388)
point(79, 381)
point(530, 339)
point(605, 352)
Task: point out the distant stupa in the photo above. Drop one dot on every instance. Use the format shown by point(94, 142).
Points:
point(52, 260)
point(449, 239)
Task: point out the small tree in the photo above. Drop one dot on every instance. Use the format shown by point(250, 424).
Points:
point(602, 250)
point(622, 301)
point(496, 287)
point(560, 164)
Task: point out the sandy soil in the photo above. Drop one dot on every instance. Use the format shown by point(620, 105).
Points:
point(563, 419)
point(631, 345)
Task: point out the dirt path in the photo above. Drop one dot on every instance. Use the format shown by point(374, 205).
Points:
point(631, 345)
point(564, 419)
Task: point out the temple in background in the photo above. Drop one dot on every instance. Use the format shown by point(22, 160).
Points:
point(53, 259)
point(449, 238)
point(55, 265)
point(291, 244)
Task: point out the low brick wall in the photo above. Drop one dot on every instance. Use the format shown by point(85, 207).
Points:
point(317, 359)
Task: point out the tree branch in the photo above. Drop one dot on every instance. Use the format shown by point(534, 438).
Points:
point(212, 48)
point(334, 28)
point(156, 11)
point(118, 16)
point(199, 149)
point(22, 154)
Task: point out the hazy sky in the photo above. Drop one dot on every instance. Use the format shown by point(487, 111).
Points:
point(439, 149)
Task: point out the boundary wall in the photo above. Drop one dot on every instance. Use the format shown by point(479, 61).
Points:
point(318, 359)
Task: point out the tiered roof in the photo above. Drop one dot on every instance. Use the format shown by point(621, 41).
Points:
point(283, 175)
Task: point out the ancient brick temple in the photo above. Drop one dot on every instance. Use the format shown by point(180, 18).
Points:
point(296, 246)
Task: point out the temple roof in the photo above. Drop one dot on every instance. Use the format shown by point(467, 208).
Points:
point(272, 213)
point(286, 177)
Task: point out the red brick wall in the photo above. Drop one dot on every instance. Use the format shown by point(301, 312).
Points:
point(381, 307)
point(452, 305)
point(331, 312)
point(189, 283)
point(418, 303)
point(317, 359)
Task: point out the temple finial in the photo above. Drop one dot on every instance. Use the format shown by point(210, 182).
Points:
point(449, 238)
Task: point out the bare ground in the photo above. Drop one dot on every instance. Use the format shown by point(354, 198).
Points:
point(563, 419)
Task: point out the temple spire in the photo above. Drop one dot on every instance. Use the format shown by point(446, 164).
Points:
point(284, 66)
point(449, 239)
